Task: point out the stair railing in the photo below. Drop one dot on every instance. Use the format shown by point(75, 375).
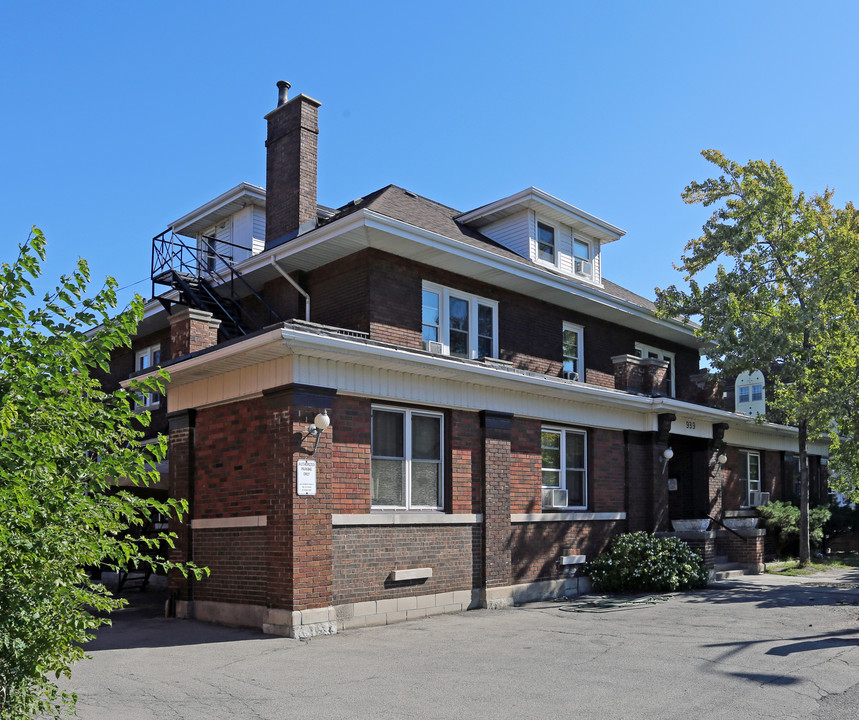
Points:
point(174, 260)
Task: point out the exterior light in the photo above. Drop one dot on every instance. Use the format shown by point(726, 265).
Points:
point(667, 454)
point(722, 459)
point(320, 424)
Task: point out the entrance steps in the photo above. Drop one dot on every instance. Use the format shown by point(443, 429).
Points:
point(724, 570)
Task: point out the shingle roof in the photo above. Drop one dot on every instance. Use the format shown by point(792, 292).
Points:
point(408, 207)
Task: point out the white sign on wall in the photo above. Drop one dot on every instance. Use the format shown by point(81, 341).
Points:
point(305, 470)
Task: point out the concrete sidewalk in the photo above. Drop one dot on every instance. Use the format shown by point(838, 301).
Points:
point(759, 647)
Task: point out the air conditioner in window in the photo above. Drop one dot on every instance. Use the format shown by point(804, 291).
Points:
point(433, 346)
point(583, 267)
point(571, 376)
point(554, 498)
point(757, 498)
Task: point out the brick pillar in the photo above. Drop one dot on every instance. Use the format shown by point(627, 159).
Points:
point(628, 373)
point(655, 380)
point(192, 330)
point(718, 472)
point(661, 472)
point(496, 508)
point(181, 487)
point(299, 532)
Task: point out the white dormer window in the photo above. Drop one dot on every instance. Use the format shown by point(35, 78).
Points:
point(546, 241)
point(750, 398)
point(582, 258)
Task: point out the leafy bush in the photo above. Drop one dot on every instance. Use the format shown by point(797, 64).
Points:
point(639, 562)
point(782, 520)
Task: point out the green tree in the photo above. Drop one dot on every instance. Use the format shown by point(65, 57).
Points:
point(783, 298)
point(63, 443)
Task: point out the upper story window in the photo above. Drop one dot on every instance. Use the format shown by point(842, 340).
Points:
point(582, 258)
point(750, 396)
point(573, 352)
point(143, 359)
point(546, 243)
point(564, 464)
point(465, 325)
point(750, 476)
point(648, 351)
point(406, 460)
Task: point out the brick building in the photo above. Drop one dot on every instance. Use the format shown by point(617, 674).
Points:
point(498, 409)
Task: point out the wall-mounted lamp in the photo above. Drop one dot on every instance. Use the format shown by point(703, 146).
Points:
point(320, 424)
point(667, 454)
point(722, 459)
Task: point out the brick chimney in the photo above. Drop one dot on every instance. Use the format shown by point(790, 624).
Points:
point(293, 129)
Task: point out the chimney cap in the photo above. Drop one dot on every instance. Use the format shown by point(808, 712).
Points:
point(282, 88)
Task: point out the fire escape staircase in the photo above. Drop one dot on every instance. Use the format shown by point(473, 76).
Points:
point(203, 276)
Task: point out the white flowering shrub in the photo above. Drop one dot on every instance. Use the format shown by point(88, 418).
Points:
point(641, 562)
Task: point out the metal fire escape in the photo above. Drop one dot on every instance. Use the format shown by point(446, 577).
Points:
point(203, 276)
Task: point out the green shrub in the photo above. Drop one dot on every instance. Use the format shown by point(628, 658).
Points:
point(641, 562)
point(782, 520)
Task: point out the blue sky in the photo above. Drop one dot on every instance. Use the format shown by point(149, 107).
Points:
point(119, 118)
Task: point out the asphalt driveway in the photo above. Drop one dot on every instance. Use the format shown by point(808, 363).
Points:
point(761, 647)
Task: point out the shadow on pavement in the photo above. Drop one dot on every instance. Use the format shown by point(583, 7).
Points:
point(141, 624)
point(809, 591)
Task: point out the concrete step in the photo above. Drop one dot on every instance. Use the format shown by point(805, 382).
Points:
point(726, 566)
point(726, 574)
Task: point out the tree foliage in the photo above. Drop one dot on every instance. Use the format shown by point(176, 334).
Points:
point(783, 295)
point(63, 444)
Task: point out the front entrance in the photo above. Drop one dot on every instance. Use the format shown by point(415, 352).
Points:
point(689, 470)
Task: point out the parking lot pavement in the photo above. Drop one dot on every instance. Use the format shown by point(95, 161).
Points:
point(759, 647)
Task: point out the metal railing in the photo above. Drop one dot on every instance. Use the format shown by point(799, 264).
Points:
point(204, 275)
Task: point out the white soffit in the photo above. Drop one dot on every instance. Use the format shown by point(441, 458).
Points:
point(546, 205)
point(220, 208)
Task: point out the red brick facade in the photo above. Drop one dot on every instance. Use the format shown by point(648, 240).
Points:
point(365, 556)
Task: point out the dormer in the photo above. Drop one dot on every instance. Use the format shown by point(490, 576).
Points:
point(233, 223)
point(547, 231)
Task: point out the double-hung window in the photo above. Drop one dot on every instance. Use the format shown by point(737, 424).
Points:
point(546, 236)
point(144, 359)
point(647, 351)
point(582, 261)
point(573, 352)
point(406, 462)
point(564, 463)
point(465, 325)
point(753, 393)
point(750, 474)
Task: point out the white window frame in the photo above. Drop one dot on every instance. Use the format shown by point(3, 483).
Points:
point(645, 351)
point(556, 235)
point(408, 414)
point(745, 458)
point(150, 400)
point(575, 258)
point(564, 432)
point(445, 294)
point(580, 332)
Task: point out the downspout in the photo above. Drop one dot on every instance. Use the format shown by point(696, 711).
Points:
point(296, 286)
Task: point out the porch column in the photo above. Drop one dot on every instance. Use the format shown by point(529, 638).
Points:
point(496, 428)
point(299, 592)
point(180, 446)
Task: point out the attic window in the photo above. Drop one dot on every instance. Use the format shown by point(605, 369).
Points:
point(582, 258)
point(546, 243)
